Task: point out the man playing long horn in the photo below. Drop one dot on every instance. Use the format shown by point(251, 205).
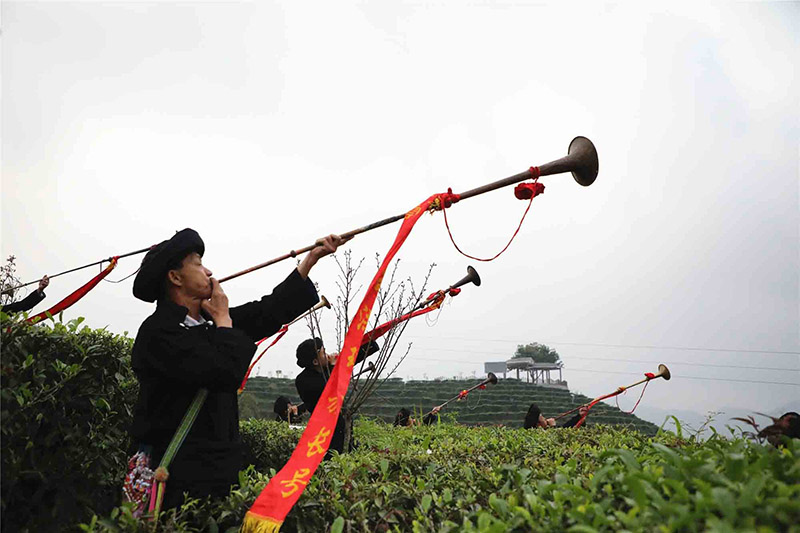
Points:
point(535, 419)
point(317, 366)
point(194, 341)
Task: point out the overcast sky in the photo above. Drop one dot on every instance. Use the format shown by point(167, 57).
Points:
point(265, 125)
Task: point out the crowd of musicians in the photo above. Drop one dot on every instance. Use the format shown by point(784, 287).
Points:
point(194, 340)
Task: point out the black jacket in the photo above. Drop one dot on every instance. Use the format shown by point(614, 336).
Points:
point(173, 361)
point(310, 384)
point(26, 304)
point(571, 422)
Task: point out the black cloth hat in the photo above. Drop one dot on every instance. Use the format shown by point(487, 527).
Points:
point(281, 405)
point(156, 264)
point(307, 351)
point(532, 418)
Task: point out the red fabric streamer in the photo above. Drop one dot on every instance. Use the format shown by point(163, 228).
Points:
point(75, 296)
point(381, 330)
point(284, 489)
point(281, 333)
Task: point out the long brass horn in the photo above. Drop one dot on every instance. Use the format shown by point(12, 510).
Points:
point(663, 372)
point(491, 379)
point(581, 160)
point(323, 302)
point(471, 277)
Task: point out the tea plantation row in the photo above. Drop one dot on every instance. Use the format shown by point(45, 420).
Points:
point(505, 403)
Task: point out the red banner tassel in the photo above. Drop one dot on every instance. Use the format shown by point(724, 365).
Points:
point(75, 296)
point(284, 489)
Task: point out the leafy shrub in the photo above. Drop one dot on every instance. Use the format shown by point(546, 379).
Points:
point(268, 444)
point(456, 478)
point(66, 399)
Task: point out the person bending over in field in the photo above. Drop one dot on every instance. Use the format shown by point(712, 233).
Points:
point(535, 419)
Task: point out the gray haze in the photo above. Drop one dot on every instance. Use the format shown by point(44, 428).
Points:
point(267, 125)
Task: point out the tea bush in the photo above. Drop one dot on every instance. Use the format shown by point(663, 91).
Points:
point(457, 478)
point(66, 400)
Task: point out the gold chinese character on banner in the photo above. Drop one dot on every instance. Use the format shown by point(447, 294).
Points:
point(378, 282)
point(362, 319)
point(294, 484)
point(333, 401)
point(315, 446)
point(351, 359)
point(413, 212)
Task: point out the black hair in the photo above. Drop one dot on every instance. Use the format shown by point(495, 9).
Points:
point(281, 406)
point(402, 417)
point(307, 352)
point(532, 418)
point(793, 429)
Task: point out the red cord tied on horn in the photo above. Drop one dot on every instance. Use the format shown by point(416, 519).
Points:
point(649, 375)
point(444, 200)
point(454, 291)
point(482, 387)
point(463, 394)
point(526, 191)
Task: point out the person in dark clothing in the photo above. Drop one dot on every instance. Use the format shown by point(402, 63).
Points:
point(403, 418)
point(535, 419)
point(431, 417)
point(30, 301)
point(787, 425)
point(286, 411)
point(194, 341)
point(317, 366)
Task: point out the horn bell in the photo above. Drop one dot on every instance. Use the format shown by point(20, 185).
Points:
point(471, 277)
point(493, 379)
point(324, 301)
point(474, 277)
point(586, 161)
point(663, 371)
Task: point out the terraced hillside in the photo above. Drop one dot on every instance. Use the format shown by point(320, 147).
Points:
point(505, 403)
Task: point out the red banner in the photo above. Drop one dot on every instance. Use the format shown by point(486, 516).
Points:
point(279, 496)
point(281, 333)
point(75, 296)
point(381, 330)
